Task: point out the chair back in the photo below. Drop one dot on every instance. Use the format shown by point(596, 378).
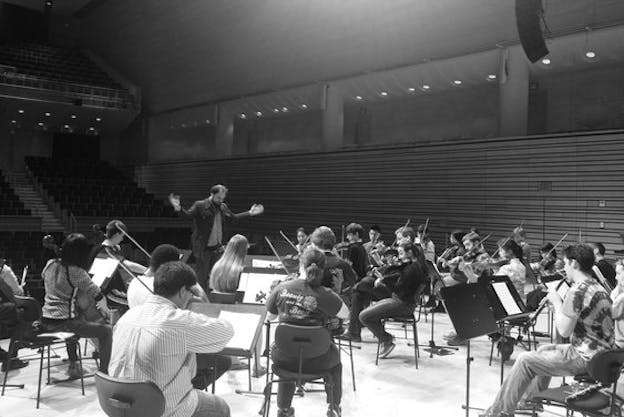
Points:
point(302, 342)
point(606, 366)
point(121, 397)
point(216, 297)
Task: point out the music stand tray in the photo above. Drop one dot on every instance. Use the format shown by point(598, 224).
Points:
point(472, 316)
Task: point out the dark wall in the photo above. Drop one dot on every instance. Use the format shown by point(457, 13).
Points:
point(72, 146)
point(22, 24)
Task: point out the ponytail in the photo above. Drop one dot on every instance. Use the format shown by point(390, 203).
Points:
point(313, 261)
point(314, 275)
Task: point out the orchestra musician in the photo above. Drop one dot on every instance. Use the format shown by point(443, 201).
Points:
point(617, 297)
point(115, 290)
point(356, 253)
point(514, 268)
point(62, 277)
point(225, 274)
point(302, 240)
point(584, 315)
point(337, 274)
point(9, 317)
point(422, 237)
point(605, 268)
point(408, 280)
point(209, 216)
point(547, 263)
point(375, 246)
point(306, 302)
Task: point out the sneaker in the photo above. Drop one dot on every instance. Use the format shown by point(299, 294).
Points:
point(350, 336)
point(386, 349)
point(450, 335)
point(505, 347)
point(529, 407)
point(75, 371)
point(14, 364)
point(455, 341)
point(290, 412)
point(334, 411)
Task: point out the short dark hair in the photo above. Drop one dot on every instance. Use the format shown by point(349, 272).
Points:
point(171, 277)
point(376, 228)
point(513, 247)
point(215, 189)
point(458, 235)
point(323, 237)
point(115, 226)
point(472, 236)
point(406, 231)
point(162, 254)
point(582, 254)
point(75, 251)
point(549, 247)
point(302, 230)
point(355, 228)
point(601, 248)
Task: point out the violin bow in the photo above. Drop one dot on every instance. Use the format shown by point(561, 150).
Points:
point(289, 241)
point(507, 239)
point(555, 247)
point(406, 224)
point(276, 255)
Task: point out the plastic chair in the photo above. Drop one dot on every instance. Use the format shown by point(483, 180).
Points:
point(40, 341)
point(604, 369)
point(121, 397)
point(301, 342)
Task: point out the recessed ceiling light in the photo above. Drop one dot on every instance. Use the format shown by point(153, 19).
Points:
point(426, 87)
point(48, 114)
point(546, 61)
point(304, 106)
point(98, 119)
point(73, 116)
point(284, 108)
point(411, 89)
point(40, 123)
point(590, 54)
point(182, 125)
point(207, 121)
point(276, 110)
point(457, 82)
point(66, 126)
point(259, 113)
point(13, 121)
point(243, 116)
point(383, 94)
point(491, 77)
point(20, 111)
point(358, 97)
point(91, 128)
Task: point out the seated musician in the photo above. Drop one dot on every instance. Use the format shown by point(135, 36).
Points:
point(61, 278)
point(548, 259)
point(584, 316)
point(8, 277)
point(306, 302)
point(338, 274)
point(405, 283)
point(608, 272)
point(454, 249)
point(374, 247)
point(226, 272)
point(115, 290)
point(519, 236)
point(404, 234)
point(514, 269)
point(9, 319)
point(356, 253)
point(302, 240)
point(159, 340)
point(617, 297)
point(422, 237)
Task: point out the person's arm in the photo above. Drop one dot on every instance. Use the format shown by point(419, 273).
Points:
point(567, 311)
point(177, 207)
point(271, 304)
point(8, 276)
point(255, 210)
point(204, 334)
point(80, 279)
point(199, 295)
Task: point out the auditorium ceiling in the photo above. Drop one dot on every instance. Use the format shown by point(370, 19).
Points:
point(187, 52)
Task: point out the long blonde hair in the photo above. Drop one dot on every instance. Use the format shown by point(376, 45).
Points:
point(226, 272)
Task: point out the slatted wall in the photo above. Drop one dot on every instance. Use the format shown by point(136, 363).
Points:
point(552, 183)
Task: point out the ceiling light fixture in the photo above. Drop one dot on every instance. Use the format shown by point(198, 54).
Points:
point(98, 119)
point(48, 114)
point(284, 109)
point(546, 61)
point(73, 116)
point(590, 54)
point(20, 111)
point(259, 113)
point(243, 116)
point(384, 94)
point(491, 77)
point(426, 87)
point(411, 89)
point(304, 106)
point(358, 97)
point(457, 82)
point(276, 110)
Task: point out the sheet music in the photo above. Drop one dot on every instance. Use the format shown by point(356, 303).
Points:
point(563, 289)
point(101, 269)
point(245, 326)
point(257, 287)
point(263, 263)
point(504, 295)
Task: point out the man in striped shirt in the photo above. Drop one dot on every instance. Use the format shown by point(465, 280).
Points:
point(158, 340)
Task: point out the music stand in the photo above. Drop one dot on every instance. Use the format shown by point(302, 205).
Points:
point(470, 312)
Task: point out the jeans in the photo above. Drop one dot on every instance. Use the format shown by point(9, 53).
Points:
point(103, 332)
point(363, 293)
point(532, 373)
point(329, 361)
point(209, 405)
point(388, 307)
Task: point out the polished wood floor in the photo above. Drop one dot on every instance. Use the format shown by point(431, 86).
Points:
point(394, 388)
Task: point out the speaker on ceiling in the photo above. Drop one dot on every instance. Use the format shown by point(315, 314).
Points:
point(528, 21)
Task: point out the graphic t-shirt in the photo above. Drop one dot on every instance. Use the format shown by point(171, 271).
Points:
point(590, 304)
point(295, 302)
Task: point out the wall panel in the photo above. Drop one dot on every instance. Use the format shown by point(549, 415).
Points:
point(553, 183)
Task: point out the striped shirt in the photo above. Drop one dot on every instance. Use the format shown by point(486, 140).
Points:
point(61, 290)
point(157, 341)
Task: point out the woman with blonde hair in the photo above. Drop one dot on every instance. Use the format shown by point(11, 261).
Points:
point(226, 272)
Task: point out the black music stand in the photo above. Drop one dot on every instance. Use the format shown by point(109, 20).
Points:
point(472, 316)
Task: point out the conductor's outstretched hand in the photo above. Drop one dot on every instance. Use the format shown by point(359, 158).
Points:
point(175, 201)
point(256, 209)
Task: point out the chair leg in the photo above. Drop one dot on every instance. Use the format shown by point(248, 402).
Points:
point(249, 372)
point(377, 356)
point(48, 369)
point(352, 367)
point(5, 363)
point(81, 369)
point(416, 350)
point(40, 375)
point(491, 353)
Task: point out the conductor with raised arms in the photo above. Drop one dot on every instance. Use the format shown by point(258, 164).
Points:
point(209, 217)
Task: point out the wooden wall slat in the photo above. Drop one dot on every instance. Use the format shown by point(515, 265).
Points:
point(492, 184)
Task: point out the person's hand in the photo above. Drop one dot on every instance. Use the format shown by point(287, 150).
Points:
point(256, 209)
point(102, 306)
point(378, 282)
point(553, 297)
point(175, 201)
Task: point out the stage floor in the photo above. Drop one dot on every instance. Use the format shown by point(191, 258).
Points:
point(394, 388)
